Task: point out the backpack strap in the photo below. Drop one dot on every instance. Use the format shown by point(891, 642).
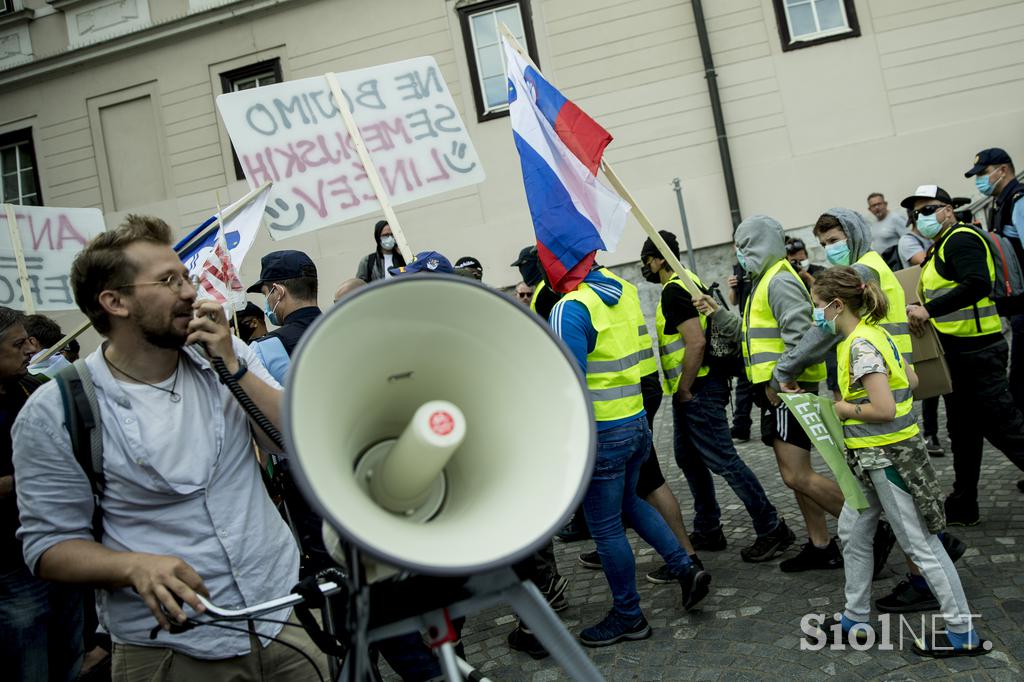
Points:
point(82, 420)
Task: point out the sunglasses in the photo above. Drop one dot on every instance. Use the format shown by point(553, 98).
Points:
point(928, 210)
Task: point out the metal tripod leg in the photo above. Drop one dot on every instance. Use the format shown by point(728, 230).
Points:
point(527, 602)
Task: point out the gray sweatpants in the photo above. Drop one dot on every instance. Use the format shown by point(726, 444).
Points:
point(857, 530)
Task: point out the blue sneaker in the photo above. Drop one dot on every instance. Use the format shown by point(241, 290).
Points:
point(614, 628)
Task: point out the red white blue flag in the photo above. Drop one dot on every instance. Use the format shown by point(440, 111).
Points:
point(560, 150)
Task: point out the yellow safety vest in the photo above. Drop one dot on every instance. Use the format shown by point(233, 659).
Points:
point(648, 365)
point(536, 292)
point(762, 338)
point(979, 319)
point(856, 433)
point(672, 347)
point(613, 367)
point(895, 320)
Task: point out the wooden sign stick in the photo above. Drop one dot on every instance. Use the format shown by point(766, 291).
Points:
point(19, 257)
point(617, 185)
point(371, 170)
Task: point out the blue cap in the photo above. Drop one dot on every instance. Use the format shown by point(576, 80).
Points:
point(277, 266)
point(988, 157)
point(426, 261)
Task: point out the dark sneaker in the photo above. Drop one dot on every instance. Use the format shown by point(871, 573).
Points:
point(811, 558)
point(906, 598)
point(614, 628)
point(769, 546)
point(523, 640)
point(961, 513)
point(663, 574)
point(1020, 486)
point(832, 633)
point(938, 645)
point(955, 547)
point(694, 582)
point(590, 560)
point(933, 446)
point(554, 592)
point(712, 541)
point(574, 531)
point(882, 546)
point(739, 435)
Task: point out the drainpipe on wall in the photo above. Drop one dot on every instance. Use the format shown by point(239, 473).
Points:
point(716, 112)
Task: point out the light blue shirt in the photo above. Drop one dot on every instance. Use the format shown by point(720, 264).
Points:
point(220, 521)
point(274, 357)
point(1018, 220)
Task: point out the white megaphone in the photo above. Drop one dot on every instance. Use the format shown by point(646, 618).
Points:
point(438, 426)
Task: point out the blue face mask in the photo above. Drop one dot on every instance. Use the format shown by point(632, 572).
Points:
point(741, 260)
point(928, 225)
point(838, 253)
point(822, 322)
point(271, 312)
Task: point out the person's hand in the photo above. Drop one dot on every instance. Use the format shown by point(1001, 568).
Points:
point(210, 328)
point(918, 318)
point(772, 396)
point(845, 410)
point(682, 396)
point(705, 304)
point(733, 281)
point(790, 387)
point(162, 581)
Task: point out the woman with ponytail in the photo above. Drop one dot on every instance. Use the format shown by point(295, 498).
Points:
point(885, 450)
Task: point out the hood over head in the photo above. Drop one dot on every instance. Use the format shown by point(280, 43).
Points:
point(762, 241)
point(858, 233)
point(606, 288)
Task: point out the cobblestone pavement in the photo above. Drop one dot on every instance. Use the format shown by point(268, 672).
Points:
point(748, 628)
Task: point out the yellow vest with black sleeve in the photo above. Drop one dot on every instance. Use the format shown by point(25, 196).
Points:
point(979, 319)
point(895, 320)
point(858, 434)
point(645, 343)
point(672, 347)
point(762, 338)
point(613, 369)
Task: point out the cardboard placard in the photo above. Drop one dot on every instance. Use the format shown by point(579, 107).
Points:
point(929, 358)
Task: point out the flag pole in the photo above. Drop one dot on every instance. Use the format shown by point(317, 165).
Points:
point(219, 219)
point(371, 170)
point(620, 188)
point(19, 257)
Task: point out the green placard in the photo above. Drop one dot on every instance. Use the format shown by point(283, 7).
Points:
point(817, 417)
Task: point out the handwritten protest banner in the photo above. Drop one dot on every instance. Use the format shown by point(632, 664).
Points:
point(292, 134)
point(50, 238)
point(817, 417)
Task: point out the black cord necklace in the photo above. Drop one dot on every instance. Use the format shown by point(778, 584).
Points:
point(175, 397)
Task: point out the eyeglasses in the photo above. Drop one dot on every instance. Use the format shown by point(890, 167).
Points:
point(928, 210)
point(525, 295)
point(173, 282)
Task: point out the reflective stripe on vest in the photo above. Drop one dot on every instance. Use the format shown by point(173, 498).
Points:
point(979, 319)
point(859, 434)
point(536, 292)
point(672, 347)
point(895, 320)
point(648, 365)
point(613, 369)
point(762, 338)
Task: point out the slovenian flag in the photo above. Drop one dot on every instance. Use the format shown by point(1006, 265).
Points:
point(560, 150)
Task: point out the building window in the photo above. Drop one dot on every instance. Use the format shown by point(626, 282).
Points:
point(246, 78)
point(19, 179)
point(6, 7)
point(480, 32)
point(803, 23)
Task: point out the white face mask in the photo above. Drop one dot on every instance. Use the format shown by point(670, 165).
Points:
point(387, 242)
point(804, 263)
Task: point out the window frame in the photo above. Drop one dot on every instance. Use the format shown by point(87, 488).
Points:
point(232, 76)
point(465, 12)
point(15, 138)
point(790, 43)
point(7, 7)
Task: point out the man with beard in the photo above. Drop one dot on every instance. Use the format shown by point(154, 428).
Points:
point(184, 510)
point(40, 623)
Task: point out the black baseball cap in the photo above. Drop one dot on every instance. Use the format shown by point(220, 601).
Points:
point(526, 254)
point(426, 261)
point(988, 157)
point(649, 249)
point(468, 262)
point(277, 266)
point(926, 192)
point(251, 310)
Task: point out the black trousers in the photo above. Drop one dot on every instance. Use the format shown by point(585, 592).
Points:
point(981, 408)
point(930, 416)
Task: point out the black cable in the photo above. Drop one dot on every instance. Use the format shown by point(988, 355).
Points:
point(197, 623)
point(246, 402)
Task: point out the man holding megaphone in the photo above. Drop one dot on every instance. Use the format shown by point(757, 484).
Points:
point(597, 321)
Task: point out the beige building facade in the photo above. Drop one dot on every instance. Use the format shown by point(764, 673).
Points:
point(110, 104)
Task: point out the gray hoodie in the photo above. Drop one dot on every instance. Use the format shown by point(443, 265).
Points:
point(762, 242)
point(817, 343)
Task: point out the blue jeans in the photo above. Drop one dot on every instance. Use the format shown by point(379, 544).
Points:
point(741, 420)
point(40, 629)
point(612, 493)
point(702, 446)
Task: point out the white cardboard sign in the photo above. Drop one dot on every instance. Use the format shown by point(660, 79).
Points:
point(50, 240)
point(293, 134)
